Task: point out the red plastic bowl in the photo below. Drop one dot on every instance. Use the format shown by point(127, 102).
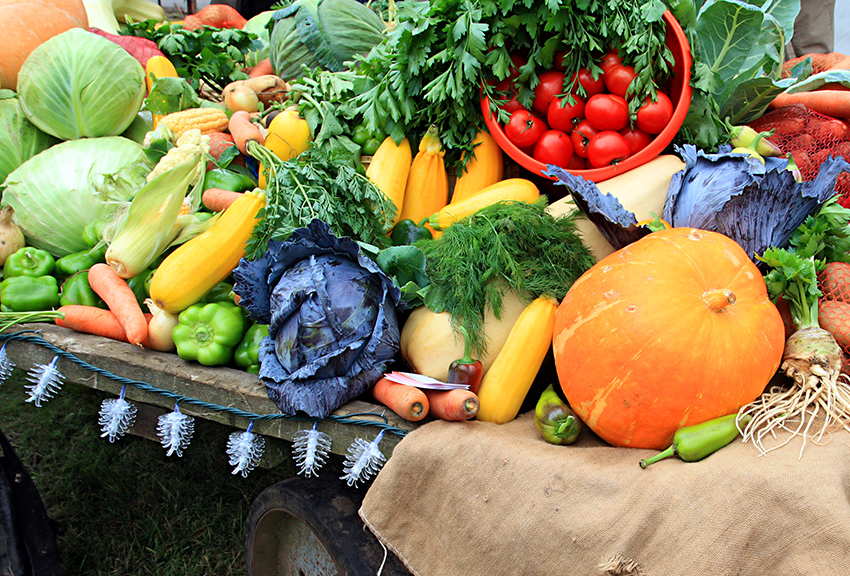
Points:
point(679, 90)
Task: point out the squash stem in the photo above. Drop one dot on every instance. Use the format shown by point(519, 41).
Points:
point(718, 299)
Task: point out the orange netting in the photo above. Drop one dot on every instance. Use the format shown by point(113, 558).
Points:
point(834, 305)
point(820, 62)
point(810, 137)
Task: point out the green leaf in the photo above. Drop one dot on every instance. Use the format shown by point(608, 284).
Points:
point(171, 95)
point(749, 99)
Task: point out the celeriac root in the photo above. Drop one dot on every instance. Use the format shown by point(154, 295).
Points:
point(812, 359)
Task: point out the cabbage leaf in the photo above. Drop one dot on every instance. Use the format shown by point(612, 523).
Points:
point(20, 140)
point(59, 191)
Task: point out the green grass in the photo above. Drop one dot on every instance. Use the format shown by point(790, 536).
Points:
point(124, 507)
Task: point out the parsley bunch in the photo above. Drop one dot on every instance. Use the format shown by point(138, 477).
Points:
point(320, 183)
point(210, 55)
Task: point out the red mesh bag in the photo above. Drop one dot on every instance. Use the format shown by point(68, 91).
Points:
point(820, 62)
point(834, 306)
point(810, 137)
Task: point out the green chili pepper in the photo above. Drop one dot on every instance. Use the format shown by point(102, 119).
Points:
point(208, 333)
point(29, 293)
point(693, 443)
point(554, 419)
point(407, 232)
point(77, 290)
point(228, 179)
point(466, 370)
point(247, 353)
point(29, 261)
point(69, 265)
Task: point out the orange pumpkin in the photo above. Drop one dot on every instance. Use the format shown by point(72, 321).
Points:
point(25, 25)
point(672, 330)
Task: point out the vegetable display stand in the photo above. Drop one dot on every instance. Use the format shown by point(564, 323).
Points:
point(220, 394)
point(310, 526)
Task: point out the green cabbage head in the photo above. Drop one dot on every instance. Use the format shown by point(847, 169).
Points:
point(81, 85)
point(56, 193)
point(321, 34)
point(20, 140)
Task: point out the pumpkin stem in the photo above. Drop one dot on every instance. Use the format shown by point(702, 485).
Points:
point(717, 299)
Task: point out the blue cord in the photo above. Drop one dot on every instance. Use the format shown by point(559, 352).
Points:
point(33, 337)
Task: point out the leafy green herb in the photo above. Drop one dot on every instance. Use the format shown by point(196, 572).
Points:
point(440, 54)
point(171, 95)
point(319, 184)
point(507, 245)
point(207, 55)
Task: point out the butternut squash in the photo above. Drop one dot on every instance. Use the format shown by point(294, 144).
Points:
point(24, 26)
point(641, 190)
point(516, 189)
point(389, 169)
point(427, 189)
point(509, 379)
point(429, 343)
point(196, 266)
point(485, 168)
point(288, 136)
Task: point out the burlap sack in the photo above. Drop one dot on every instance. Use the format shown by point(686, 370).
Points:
point(474, 498)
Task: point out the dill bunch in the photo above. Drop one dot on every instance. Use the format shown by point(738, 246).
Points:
point(509, 245)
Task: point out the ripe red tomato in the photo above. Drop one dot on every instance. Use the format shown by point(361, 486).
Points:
point(618, 78)
point(524, 128)
point(606, 148)
point(505, 90)
point(518, 61)
point(551, 84)
point(607, 112)
point(564, 116)
point(591, 85)
point(553, 147)
point(581, 136)
point(637, 139)
point(610, 60)
point(652, 117)
point(558, 63)
point(577, 163)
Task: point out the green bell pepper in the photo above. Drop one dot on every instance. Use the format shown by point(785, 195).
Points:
point(77, 290)
point(69, 265)
point(29, 293)
point(554, 419)
point(407, 232)
point(93, 233)
point(208, 333)
point(137, 285)
point(29, 261)
point(247, 353)
point(228, 179)
point(219, 293)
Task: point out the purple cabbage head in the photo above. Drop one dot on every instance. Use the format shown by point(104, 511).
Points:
point(332, 319)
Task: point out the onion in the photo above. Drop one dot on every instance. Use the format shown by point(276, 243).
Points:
point(160, 328)
point(11, 237)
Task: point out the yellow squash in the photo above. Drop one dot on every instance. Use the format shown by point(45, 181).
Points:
point(389, 169)
point(288, 136)
point(158, 67)
point(516, 189)
point(484, 169)
point(427, 189)
point(195, 267)
point(507, 382)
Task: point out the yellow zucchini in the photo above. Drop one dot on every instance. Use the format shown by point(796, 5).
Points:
point(517, 189)
point(158, 67)
point(509, 379)
point(641, 190)
point(484, 169)
point(195, 267)
point(389, 169)
point(427, 189)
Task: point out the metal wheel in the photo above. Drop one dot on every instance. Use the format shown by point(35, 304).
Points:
point(310, 527)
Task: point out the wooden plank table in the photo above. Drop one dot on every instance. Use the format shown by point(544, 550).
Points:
point(220, 394)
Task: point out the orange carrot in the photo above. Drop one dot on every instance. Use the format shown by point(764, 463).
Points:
point(91, 320)
point(452, 405)
point(121, 300)
point(244, 130)
point(262, 68)
point(408, 402)
point(218, 200)
point(835, 103)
